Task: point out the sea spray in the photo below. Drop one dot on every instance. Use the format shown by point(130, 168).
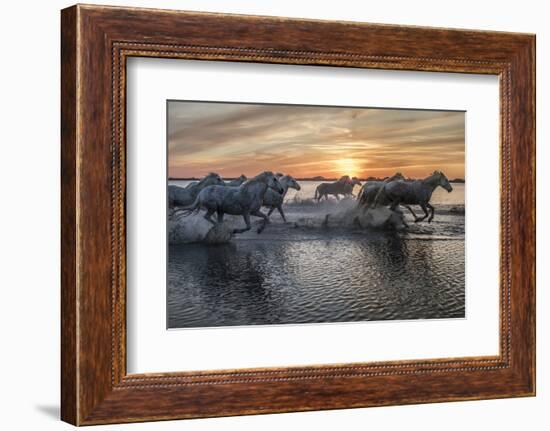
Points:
point(327, 215)
point(195, 228)
point(373, 218)
point(345, 213)
point(381, 218)
point(219, 234)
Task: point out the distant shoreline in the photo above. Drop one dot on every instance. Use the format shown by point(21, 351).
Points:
point(455, 180)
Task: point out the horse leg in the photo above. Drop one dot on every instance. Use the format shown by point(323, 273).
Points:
point(220, 216)
point(411, 210)
point(270, 211)
point(258, 213)
point(426, 214)
point(280, 208)
point(337, 197)
point(246, 217)
point(209, 214)
point(432, 209)
point(378, 201)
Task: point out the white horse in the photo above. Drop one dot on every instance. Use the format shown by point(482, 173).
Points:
point(180, 197)
point(274, 200)
point(245, 200)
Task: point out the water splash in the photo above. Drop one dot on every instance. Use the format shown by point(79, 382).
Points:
point(195, 228)
point(219, 234)
point(380, 218)
point(322, 217)
point(347, 214)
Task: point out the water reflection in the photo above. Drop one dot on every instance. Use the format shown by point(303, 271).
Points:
point(353, 277)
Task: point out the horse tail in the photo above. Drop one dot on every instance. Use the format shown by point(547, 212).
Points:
point(189, 209)
point(317, 193)
point(360, 197)
point(360, 194)
point(379, 195)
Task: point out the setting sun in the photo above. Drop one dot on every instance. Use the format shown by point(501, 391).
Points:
point(346, 167)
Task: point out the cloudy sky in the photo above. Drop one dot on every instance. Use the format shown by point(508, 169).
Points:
point(306, 141)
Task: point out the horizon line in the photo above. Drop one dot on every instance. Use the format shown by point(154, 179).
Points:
point(314, 178)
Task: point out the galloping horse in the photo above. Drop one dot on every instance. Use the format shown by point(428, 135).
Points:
point(179, 196)
point(336, 188)
point(418, 192)
point(245, 200)
point(369, 191)
point(372, 193)
point(273, 200)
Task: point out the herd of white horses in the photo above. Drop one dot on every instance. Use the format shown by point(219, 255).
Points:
point(246, 197)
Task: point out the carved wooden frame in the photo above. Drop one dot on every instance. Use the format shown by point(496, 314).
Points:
point(95, 42)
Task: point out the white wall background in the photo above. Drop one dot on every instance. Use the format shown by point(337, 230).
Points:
point(29, 216)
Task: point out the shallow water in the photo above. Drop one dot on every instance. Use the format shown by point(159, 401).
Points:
point(307, 272)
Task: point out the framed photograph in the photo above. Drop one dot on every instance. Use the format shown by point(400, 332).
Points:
point(265, 215)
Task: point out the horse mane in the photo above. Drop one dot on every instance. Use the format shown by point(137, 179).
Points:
point(393, 177)
point(209, 175)
point(257, 178)
point(436, 172)
point(263, 174)
point(285, 178)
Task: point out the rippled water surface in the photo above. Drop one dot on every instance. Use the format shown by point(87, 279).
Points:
point(300, 272)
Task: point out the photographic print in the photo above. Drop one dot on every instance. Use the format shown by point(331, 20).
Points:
point(295, 214)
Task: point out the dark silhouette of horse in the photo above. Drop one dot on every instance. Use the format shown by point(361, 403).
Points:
point(418, 192)
point(340, 187)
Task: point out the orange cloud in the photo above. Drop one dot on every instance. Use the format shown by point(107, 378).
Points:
point(306, 141)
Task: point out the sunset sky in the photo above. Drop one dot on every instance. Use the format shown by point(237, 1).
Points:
point(306, 141)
